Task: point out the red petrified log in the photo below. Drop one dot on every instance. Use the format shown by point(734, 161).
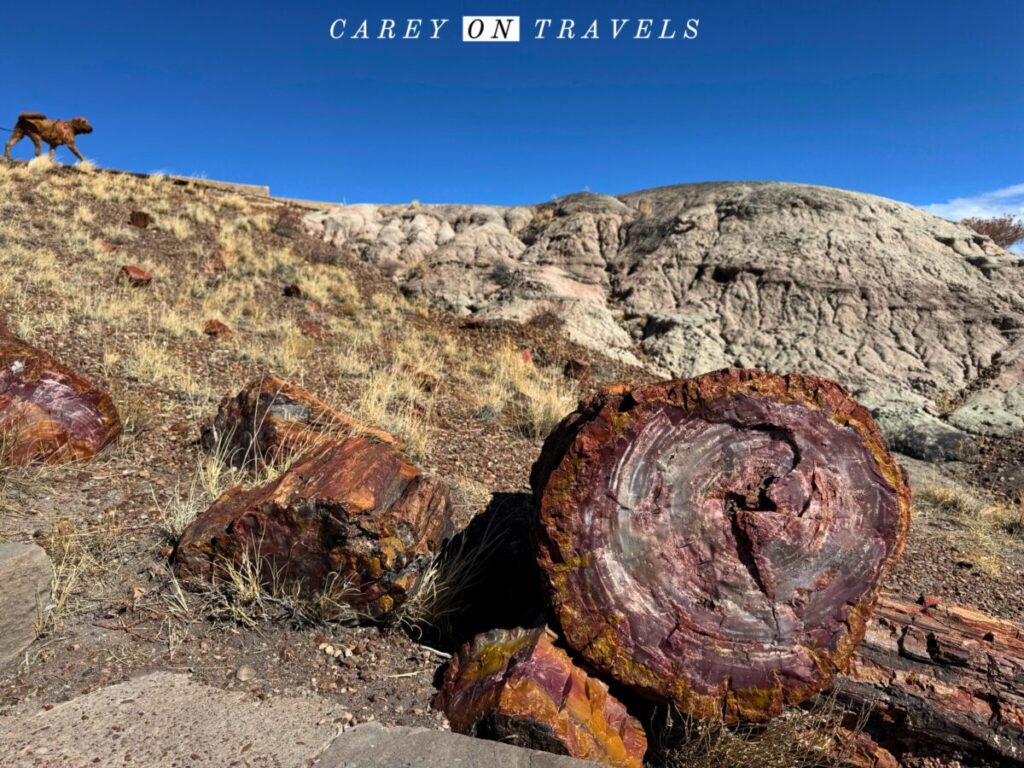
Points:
point(48, 412)
point(140, 219)
point(718, 542)
point(352, 518)
point(135, 276)
point(518, 687)
point(940, 677)
point(272, 418)
point(215, 327)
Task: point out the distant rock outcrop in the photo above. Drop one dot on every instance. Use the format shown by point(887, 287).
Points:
point(903, 308)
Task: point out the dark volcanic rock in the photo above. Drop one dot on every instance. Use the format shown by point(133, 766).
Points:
point(517, 687)
point(272, 418)
point(351, 518)
point(719, 542)
point(47, 411)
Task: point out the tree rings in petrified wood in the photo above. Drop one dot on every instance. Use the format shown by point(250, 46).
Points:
point(719, 542)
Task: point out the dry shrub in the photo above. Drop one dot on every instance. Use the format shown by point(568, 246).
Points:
point(1005, 231)
point(252, 591)
point(392, 400)
point(548, 318)
point(798, 738)
point(980, 519)
point(533, 398)
point(446, 585)
point(83, 556)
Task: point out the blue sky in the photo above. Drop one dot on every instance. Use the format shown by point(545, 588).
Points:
point(920, 101)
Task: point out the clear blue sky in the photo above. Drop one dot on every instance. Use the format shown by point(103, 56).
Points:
point(917, 100)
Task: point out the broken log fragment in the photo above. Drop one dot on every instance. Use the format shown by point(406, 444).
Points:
point(49, 413)
point(518, 687)
point(272, 419)
point(939, 678)
point(352, 519)
point(718, 542)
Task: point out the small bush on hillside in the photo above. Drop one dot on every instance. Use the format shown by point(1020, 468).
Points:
point(1005, 231)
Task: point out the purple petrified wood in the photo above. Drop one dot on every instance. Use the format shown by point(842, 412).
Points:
point(48, 412)
point(719, 542)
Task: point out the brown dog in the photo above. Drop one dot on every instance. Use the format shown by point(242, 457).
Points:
point(56, 133)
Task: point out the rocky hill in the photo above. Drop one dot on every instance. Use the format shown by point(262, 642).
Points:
point(173, 351)
point(920, 318)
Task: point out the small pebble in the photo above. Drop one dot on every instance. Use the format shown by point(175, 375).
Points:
point(245, 673)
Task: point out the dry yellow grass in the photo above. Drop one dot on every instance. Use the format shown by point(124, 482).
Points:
point(156, 369)
point(176, 226)
point(982, 521)
point(83, 557)
point(535, 399)
point(799, 738)
point(151, 362)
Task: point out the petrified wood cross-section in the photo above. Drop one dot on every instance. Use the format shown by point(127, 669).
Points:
point(718, 542)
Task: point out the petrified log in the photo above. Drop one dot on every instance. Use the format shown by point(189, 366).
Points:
point(134, 276)
point(214, 327)
point(939, 677)
point(271, 419)
point(718, 542)
point(517, 686)
point(351, 518)
point(140, 219)
point(48, 412)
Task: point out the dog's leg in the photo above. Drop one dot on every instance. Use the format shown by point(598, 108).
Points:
point(53, 151)
point(77, 154)
point(38, 143)
point(16, 135)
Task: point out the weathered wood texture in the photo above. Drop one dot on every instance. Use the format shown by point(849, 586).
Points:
point(48, 412)
point(940, 677)
point(353, 518)
point(719, 542)
point(518, 687)
point(271, 419)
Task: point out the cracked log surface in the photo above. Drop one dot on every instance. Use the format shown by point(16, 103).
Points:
point(352, 519)
point(518, 687)
point(940, 677)
point(48, 412)
point(718, 542)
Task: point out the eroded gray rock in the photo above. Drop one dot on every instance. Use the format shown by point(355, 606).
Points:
point(899, 306)
point(168, 720)
point(25, 575)
point(373, 746)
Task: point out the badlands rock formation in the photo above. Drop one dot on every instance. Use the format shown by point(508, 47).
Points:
point(903, 308)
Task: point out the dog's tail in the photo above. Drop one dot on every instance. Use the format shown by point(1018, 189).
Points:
point(31, 116)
